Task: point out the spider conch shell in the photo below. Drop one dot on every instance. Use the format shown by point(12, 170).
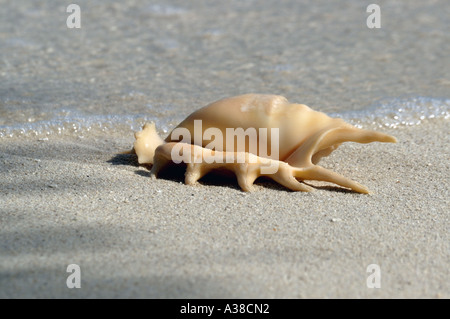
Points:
point(304, 137)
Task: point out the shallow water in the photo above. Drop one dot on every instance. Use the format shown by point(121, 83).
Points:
point(390, 113)
point(135, 61)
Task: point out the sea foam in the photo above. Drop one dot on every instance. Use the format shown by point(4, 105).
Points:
point(391, 113)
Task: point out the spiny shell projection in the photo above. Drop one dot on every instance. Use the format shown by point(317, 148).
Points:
point(297, 136)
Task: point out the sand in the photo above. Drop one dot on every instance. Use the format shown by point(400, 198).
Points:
point(74, 201)
point(70, 199)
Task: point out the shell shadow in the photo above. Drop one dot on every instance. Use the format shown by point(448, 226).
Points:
point(219, 178)
point(336, 189)
point(124, 159)
point(174, 172)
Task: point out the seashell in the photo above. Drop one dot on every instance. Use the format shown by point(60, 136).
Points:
point(297, 137)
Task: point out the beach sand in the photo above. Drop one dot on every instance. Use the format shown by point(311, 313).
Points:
point(75, 201)
point(70, 198)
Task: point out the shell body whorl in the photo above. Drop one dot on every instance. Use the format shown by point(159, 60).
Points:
point(296, 122)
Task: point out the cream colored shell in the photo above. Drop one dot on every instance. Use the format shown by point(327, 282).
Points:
point(305, 136)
